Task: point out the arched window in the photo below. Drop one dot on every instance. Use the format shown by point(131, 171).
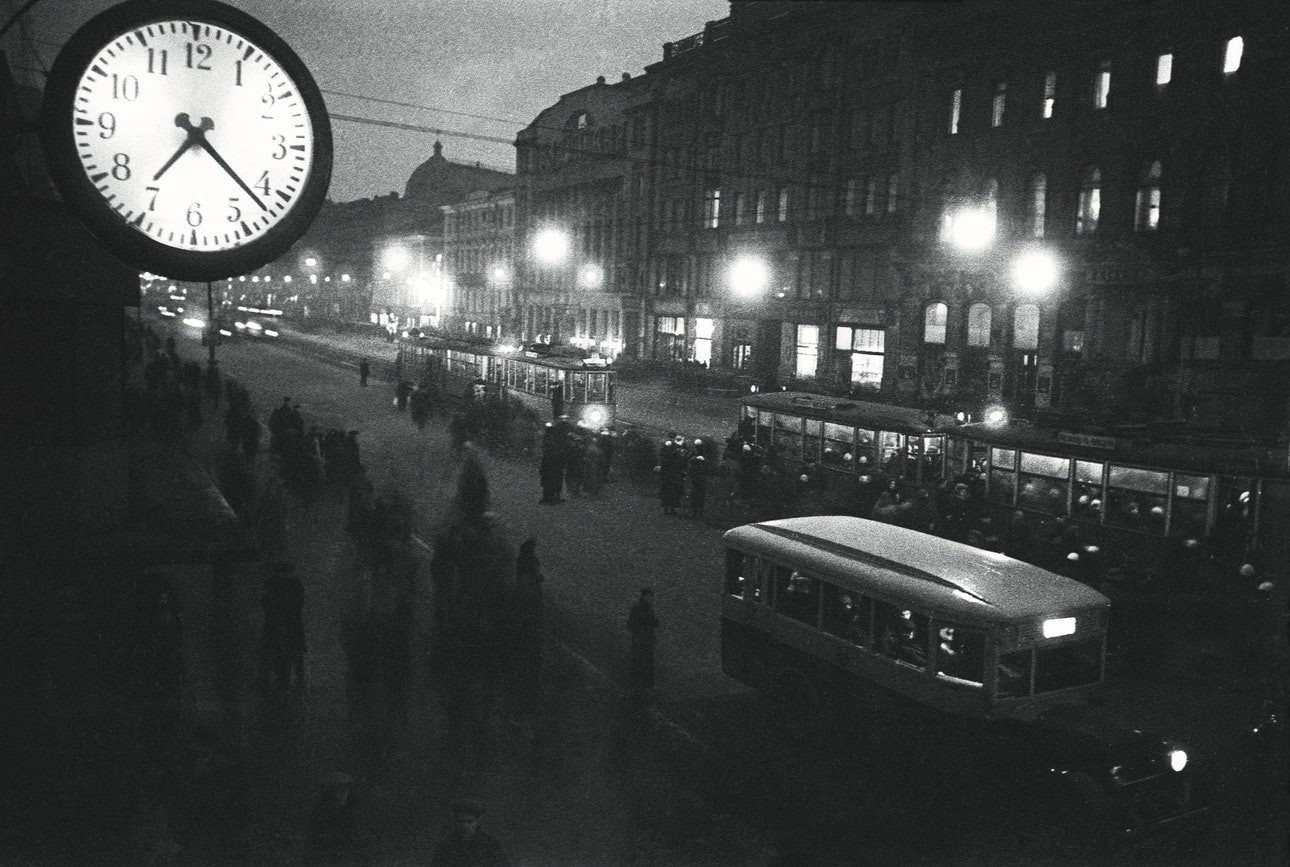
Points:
point(1025, 327)
point(934, 318)
point(1090, 201)
point(978, 330)
point(1038, 204)
point(1147, 214)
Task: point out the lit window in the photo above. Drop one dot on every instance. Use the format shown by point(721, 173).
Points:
point(1090, 201)
point(782, 210)
point(711, 208)
point(893, 180)
point(1000, 101)
point(853, 193)
point(871, 196)
point(1038, 204)
point(808, 349)
point(741, 208)
point(1147, 213)
point(934, 318)
point(1025, 327)
point(979, 325)
point(1102, 84)
point(1164, 69)
point(1050, 94)
point(956, 106)
point(1232, 55)
point(866, 347)
point(761, 206)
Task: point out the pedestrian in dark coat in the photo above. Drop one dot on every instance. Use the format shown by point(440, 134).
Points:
point(364, 369)
point(593, 467)
point(525, 629)
point(551, 466)
point(671, 480)
point(642, 623)
point(469, 845)
point(574, 463)
point(697, 471)
point(283, 634)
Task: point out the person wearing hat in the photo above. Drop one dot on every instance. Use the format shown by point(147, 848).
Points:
point(468, 844)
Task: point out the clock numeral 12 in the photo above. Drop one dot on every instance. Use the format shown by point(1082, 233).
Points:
point(202, 51)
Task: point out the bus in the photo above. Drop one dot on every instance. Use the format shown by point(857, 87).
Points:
point(846, 436)
point(550, 384)
point(1145, 496)
point(886, 624)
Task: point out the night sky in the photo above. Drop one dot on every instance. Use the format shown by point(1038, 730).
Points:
point(500, 60)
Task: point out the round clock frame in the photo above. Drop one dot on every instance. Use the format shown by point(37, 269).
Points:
point(92, 201)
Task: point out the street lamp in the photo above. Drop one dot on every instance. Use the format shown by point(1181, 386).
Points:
point(1035, 272)
point(551, 246)
point(591, 276)
point(749, 276)
point(970, 229)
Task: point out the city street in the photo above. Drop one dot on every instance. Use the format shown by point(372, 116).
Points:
point(587, 789)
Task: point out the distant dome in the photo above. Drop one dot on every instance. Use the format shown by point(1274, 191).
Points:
point(439, 181)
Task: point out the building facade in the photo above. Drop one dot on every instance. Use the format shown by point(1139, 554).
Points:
point(478, 259)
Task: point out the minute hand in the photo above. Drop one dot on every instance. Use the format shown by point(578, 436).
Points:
point(206, 146)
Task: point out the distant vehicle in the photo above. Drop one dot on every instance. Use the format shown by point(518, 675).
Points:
point(551, 384)
point(888, 626)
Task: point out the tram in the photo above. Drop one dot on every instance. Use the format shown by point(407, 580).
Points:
point(551, 385)
point(849, 436)
point(1147, 495)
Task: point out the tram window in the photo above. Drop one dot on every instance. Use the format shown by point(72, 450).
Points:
point(1003, 459)
point(865, 454)
point(597, 387)
point(1014, 674)
point(765, 423)
point(902, 634)
point(1191, 506)
point(1087, 499)
point(933, 458)
point(579, 388)
point(1068, 665)
point(1234, 524)
point(847, 614)
point(796, 594)
point(811, 438)
point(1044, 481)
point(960, 653)
point(1135, 499)
point(788, 436)
point(1003, 485)
point(741, 574)
point(540, 384)
point(839, 446)
point(892, 449)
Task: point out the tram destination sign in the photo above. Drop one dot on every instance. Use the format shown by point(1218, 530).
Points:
point(1092, 441)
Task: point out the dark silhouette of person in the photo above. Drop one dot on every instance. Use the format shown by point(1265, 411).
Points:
point(283, 634)
point(697, 472)
point(643, 624)
point(364, 370)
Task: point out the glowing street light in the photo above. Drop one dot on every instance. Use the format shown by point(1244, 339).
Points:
point(971, 228)
point(1035, 272)
point(551, 246)
point(748, 276)
point(395, 258)
point(591, 276)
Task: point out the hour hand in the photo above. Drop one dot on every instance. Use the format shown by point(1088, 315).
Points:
point(194, 134)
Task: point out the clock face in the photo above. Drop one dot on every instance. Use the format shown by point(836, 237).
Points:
point(190, 139)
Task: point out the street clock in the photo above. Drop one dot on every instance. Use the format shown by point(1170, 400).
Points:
point(187, 136)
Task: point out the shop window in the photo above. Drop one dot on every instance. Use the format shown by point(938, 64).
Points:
point(807, 350)
point(703, 340)
point(867, 347)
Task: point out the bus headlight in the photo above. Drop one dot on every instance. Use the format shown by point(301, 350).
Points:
point(594, 417)
point(1177, 759)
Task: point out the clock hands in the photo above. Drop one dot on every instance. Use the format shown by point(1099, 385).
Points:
point(196, 137)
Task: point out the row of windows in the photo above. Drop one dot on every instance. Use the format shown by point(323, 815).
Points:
point(502, 216)
point(1099, 87)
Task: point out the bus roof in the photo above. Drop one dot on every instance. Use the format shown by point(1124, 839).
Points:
point(853, 413)
point(959, 581)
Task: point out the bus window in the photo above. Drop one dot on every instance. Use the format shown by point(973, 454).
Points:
point(765, 422)
point(1086, 502)
point(811, 438)
point(960, 653)
point(1135, 499)
point(846, 614)
point(741, 574)
point(788, 436)
point(796, 595)
point(1044, 483)
point(902, 634)
point(597, 387)
point(1190, 514)
point(1014, 673)
point(839, 446)
point(1068, 665)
